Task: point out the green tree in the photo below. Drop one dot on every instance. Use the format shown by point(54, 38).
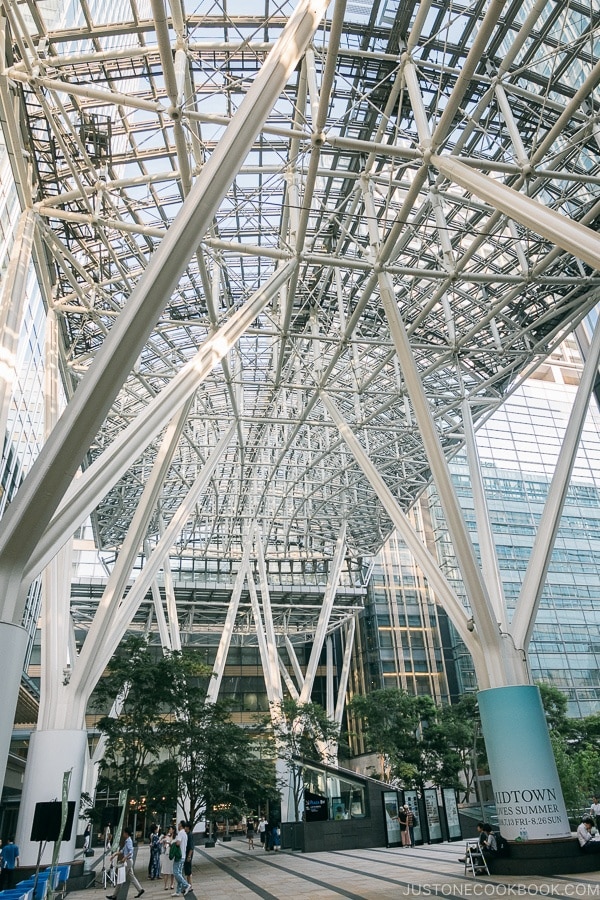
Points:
point(303, 731)
point(418, 741)
point(167, 743)
point(576, 746)
point(213, 762)
point(137, 678)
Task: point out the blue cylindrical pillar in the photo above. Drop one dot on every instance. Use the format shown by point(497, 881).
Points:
point(527, 791)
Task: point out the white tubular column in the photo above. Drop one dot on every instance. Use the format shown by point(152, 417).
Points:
point(489, 560)
point(268, 614)
point(463, 547)
point(161, 620)
point(224, 644)
point(262, 647)
point(86, 492)
point(288, 680)
point(12, 303)
point(325, 614)
point(537, 569)
point(13, 644)
point(422, 556)
point(344, 674)
point(51, 753)
point(294, 661)
point(53, 470)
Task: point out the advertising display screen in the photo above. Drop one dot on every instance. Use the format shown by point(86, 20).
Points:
point(451, 810)
point(391, 807)
point(433, 814)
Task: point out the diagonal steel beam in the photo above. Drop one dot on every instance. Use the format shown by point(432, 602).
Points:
point(87, 491)
point(56, 465)
point(437, 581)
point(577, 239)
point(523, 619)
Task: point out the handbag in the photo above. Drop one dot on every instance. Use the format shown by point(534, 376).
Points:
point(175, 852)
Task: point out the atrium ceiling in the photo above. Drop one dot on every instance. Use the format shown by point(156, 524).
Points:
point(442, 155)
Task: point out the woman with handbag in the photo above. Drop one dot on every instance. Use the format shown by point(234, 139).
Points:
point(167, 863)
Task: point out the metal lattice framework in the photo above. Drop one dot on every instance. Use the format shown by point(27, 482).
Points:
point(378, 160)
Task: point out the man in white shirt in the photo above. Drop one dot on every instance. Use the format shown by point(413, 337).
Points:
point(584, 836)
point(126, 856)
point(595, 811)
point(180, 841)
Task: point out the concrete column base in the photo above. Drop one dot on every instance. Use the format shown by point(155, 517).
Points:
point(51, 754)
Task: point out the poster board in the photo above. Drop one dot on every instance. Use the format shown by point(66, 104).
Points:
point(451, 813)
point(391, 808)
point(432, 811)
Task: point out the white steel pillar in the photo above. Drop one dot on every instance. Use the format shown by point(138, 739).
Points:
point(294, 661)
point(577, 239)
point(224, 644)
point(13, 645)
point(60, 458)
point(50, 754)
point(329, 670)
point(533, 583)
point(333, 581)
point(43, 780)
point(268, 614)
point(344, 674)
point(463, 547)
point(161, 619)
point(272, 695)
point(12, 303)
point(487, 548)
point(423, 557)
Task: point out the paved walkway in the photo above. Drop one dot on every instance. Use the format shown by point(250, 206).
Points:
point(233, 872)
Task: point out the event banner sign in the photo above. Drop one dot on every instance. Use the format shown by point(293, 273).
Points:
point(527, 792)
point(391, 809)
point(432, 811)
point(451, 810)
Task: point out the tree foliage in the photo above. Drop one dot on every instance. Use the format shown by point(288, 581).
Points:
point(303, 731)
point(167, 743)
point(418, 741)
point(576, 746)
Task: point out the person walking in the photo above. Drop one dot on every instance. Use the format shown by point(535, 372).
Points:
point(126, 856)
point(189, 852)
point(404, 836)
point(277, 837)
point(10, 861)
point(166, 863)
point(250, 833)
point(178, 851)
point(155, 848)
point(408, 834)
point(595, 811)
point(262, 829)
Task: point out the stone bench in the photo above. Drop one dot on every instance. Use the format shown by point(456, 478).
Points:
point(562, 857)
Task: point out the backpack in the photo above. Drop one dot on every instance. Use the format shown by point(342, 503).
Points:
point(501, 843)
